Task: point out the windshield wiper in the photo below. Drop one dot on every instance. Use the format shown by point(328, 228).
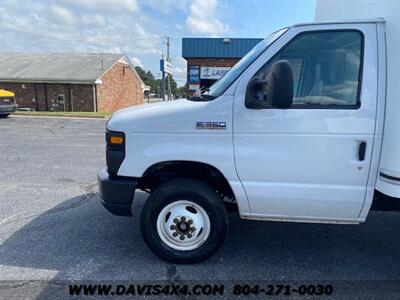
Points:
point(204, 89)
point(202, 98)
point(207, 97)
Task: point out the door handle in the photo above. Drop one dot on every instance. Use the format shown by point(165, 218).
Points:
point(361, 151)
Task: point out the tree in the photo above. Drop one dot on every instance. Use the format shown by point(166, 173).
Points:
point(181, 92)
point(148, 79)
point(156, 84)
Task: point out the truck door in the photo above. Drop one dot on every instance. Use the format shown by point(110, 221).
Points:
point(311, 162)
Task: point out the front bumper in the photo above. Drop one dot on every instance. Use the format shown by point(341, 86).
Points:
point(8, 108)
point(116, 192)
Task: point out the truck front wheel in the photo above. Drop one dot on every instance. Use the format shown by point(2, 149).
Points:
point(184, 221)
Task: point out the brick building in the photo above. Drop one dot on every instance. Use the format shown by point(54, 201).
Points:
point(208, 59)
point(71, 82)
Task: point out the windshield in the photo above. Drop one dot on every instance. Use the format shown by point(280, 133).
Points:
point(219, 87)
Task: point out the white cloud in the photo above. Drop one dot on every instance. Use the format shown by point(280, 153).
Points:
point(115, 49)
point(36, 17)
point(203, 18)
point(178, 70)
point(108, 5)
point(136, 62)
point(62, 15)
point(93, 20)
point(167, 7)
point(153, 51)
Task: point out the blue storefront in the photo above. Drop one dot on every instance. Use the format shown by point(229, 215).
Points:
point(208, 59)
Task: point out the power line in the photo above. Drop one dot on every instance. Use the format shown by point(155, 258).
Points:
point(56, 39)
point(21, 35)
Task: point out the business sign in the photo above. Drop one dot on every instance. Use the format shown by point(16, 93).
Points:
point(194, 74)
point(194, 87)
point(213, 72)
point(165, 66)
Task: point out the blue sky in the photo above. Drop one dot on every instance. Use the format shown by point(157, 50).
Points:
point(137, 27)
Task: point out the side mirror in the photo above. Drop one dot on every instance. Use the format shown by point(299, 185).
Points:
point(256, 93)
point(278, 88)
point(280, 85)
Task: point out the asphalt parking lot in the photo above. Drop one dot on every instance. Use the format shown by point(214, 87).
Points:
point(53, 227)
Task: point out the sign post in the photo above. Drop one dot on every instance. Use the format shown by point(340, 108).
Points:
point(165, 68)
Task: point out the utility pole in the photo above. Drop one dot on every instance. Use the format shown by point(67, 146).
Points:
point(166, 82)
point(168, 59)
point(163, 82)
point(168, 48)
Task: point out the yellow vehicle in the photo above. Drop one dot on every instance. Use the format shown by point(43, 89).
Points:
point(7, 103)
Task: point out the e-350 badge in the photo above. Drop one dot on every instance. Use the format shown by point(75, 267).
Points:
point(211, 125)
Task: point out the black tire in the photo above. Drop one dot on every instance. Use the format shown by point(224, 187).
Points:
point(4, 115)
point(184, 189)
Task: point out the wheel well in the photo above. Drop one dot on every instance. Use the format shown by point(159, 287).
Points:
point(165, 171)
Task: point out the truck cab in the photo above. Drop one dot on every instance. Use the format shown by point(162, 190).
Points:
point(293, 132)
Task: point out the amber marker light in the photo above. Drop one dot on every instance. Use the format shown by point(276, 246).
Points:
point(116, 140)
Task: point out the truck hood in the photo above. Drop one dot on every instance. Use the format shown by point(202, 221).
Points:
point(176, 116)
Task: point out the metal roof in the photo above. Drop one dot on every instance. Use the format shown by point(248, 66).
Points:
point(57, 67)
point(217, 47)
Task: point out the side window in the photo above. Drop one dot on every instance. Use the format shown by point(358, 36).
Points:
point(326, 68)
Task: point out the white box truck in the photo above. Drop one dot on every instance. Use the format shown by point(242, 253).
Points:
point(305, 128)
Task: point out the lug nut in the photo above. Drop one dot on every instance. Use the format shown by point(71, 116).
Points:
point(176, 220)
point(182, 237)
point(190, 222)
point(193, 229)
point(172, 227)
point(175, 234)
point(189, 235)
point(183, 218)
